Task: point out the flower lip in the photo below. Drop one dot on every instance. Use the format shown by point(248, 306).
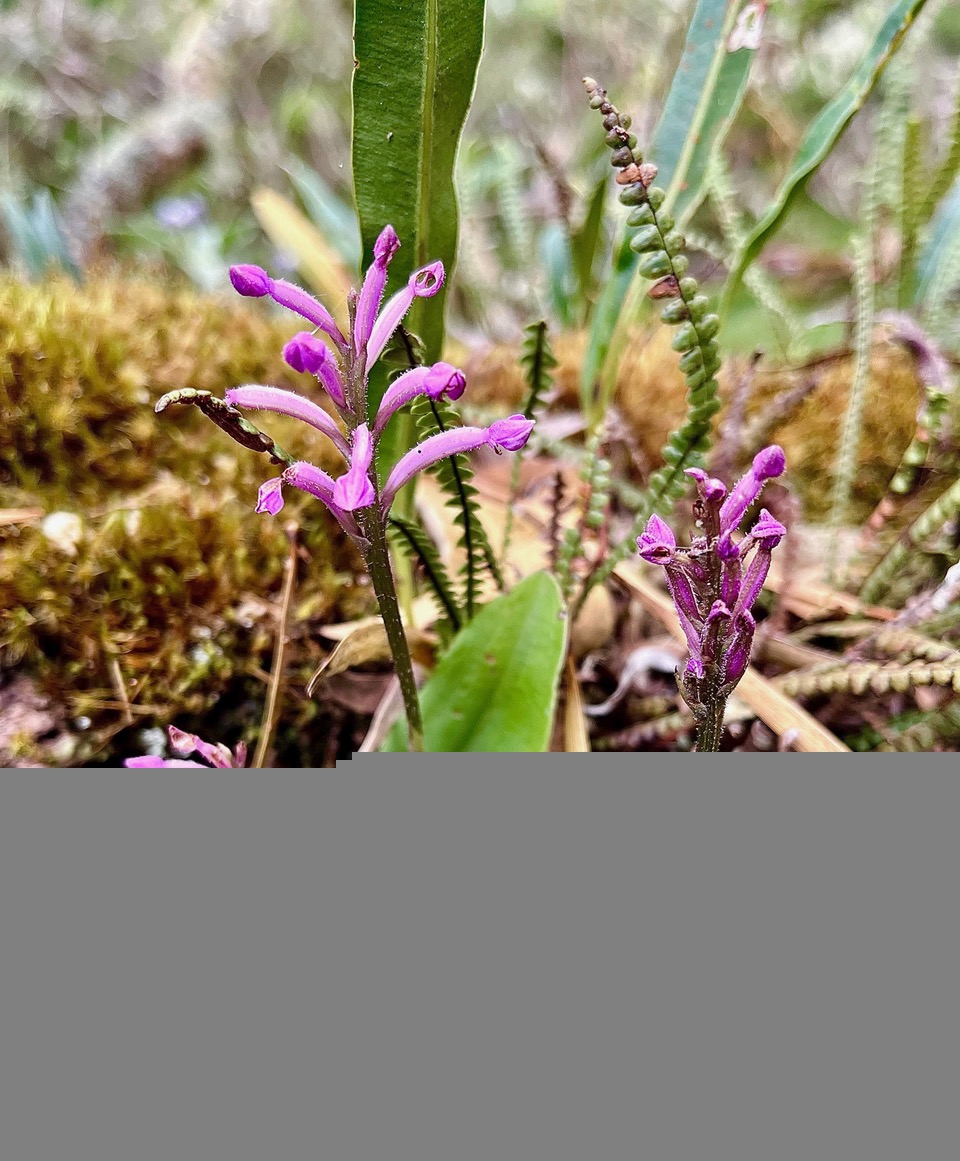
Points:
point(270, 497)
point(427, 281)
point(250, 281)
point(656, 543)
point(354, 490)
point(510, 434)
point(767, 529)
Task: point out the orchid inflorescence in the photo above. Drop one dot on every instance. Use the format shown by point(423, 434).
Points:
point(342, 367)
point(715, 582)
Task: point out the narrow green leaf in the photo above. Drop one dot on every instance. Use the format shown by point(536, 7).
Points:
point(495, 690)
point(704, 98)
point(939, 252)
point(824, 133)
point(721, 112)
point(416, 65)
point(585, 240)
point(692, 91)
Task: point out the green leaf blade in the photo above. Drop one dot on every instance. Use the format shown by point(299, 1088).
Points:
point(415, 71)
point(823, 134)
point(495, 690)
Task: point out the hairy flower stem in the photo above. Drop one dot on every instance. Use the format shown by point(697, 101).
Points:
point(378, 565)
point(709, 716)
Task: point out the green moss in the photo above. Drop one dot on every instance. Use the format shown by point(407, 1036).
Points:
point(171, 587)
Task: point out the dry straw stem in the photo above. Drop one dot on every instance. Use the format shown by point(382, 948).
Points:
point(771, 706)
point(575, 737)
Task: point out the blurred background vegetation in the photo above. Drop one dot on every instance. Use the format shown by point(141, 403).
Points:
point(143, 130)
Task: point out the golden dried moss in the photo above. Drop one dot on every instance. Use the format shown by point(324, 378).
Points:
point(651, 396)
point(163, 595)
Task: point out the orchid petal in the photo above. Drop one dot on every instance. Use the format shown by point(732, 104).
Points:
point(254, 282)
point(256, 398)
point(440, 379)
point(354, 490)
point(657, 544)
point(433, 449)
point(711, 490)
point(738, 655)
point(767, 465)
point(371, 292)
point(270, 497)
point(306, 353)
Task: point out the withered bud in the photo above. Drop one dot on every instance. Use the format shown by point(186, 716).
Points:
point(668, 287)
point(630, 175)
point(648, 171)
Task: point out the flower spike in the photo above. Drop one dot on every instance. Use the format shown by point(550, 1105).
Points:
point(714, 584)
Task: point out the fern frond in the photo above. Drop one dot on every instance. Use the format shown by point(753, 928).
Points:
point(877, 677)
point(938, 726)
point(454, 476)
point(846, 468)
point(414, 541)
point(662, 261)
point(944, 508)
point(537, 360)
point(949, 167)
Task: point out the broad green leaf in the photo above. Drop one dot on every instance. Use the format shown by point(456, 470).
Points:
point(495, 690)
point(416, 65)
point(704, 98)
point(824, 133)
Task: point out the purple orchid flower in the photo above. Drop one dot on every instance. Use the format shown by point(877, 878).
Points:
point(342, 372)
point(217, 756)
point(716, 581)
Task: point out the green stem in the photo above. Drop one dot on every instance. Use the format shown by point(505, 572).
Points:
point(710, 717)
point(378, 564)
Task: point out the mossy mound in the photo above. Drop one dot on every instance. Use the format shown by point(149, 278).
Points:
point(805, 409)
point(133, 568)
